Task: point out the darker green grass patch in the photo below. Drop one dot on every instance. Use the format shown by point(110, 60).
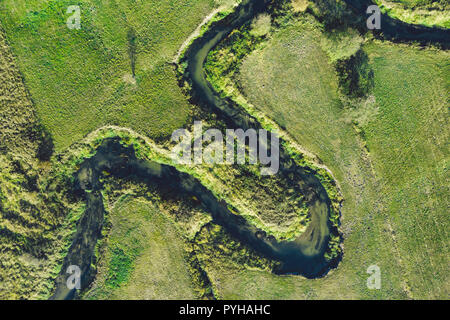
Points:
point(120, 268)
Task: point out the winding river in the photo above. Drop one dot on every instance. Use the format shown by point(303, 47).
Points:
point(303, 256)
point(399, 31)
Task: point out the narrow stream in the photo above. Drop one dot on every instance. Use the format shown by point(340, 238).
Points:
point(399, 31)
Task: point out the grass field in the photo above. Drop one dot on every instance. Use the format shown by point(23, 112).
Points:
point(145, 257)
point(409, 143)
point(82, 79)
point(396, 194)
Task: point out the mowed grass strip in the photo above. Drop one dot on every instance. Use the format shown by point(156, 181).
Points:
point(409, 143)
point(82, 79)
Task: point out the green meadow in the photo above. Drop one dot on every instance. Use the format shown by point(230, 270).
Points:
point(83, 79)
point(144, 257)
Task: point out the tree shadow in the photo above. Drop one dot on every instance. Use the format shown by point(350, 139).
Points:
point(132, 49)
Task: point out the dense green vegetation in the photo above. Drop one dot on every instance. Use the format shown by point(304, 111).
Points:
point(225, 60)
point(426, 12)
point(35, 222)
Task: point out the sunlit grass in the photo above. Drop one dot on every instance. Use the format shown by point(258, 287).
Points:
point(82, 79)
